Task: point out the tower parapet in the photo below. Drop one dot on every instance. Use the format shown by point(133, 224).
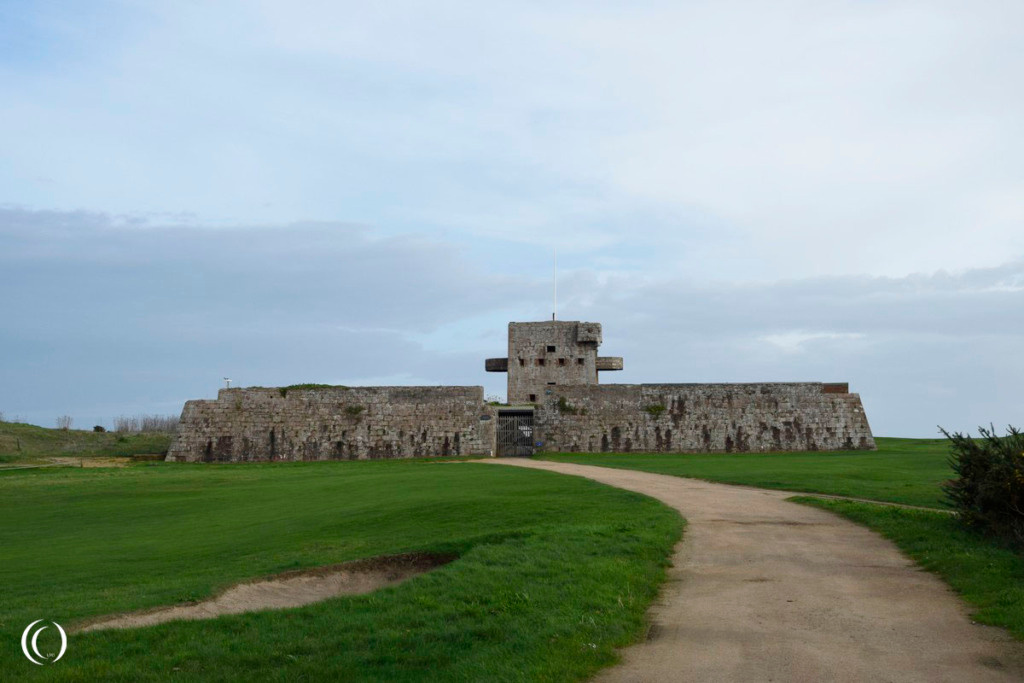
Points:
point(548, 354)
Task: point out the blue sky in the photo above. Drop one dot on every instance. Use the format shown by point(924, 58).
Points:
point(334, 192)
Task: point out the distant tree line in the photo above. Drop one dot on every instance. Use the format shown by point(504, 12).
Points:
point(146, 423)
point(166, 424)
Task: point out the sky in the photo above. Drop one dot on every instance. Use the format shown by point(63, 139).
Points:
point(367, 193)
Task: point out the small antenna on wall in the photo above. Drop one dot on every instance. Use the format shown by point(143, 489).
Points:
point(554, 283)
point(227, 382)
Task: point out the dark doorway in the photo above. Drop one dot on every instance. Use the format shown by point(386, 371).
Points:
point(515, 433)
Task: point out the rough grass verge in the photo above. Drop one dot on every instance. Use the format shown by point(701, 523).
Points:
point(25, 443)
point(987, 572)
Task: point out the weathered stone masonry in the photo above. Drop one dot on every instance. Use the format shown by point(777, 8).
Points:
point(334, 423)
point(553, 369)
point(551, 353)
point(667, 418)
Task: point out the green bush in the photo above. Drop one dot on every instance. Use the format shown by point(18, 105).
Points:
point(566, 408)
point(655, 410)
point(989, 491)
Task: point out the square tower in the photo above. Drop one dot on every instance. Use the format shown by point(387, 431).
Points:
point(550, 353)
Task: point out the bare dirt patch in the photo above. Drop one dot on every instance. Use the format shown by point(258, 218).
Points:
point(291, 589)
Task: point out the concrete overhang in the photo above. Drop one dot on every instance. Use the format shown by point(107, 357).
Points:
point(605, 363)
point(501, 364)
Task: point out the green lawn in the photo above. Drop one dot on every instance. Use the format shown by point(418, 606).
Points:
point(905, 471)
point(987, 573)
point(25, 443)
point(554, 572)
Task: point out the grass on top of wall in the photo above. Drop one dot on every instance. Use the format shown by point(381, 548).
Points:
point(907, 471)
point(554, 572)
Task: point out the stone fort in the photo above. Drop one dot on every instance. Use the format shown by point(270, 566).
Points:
point(555, 403)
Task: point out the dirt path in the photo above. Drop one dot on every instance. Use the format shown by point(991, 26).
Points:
point(765, 590)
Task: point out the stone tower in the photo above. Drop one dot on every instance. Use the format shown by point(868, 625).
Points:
point(551, 353)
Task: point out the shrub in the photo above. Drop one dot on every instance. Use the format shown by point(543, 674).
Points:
point(354, 410)
point(655, 410)
point(566, 408)
point(989, 489)
point(99, 429)
point(64, 422)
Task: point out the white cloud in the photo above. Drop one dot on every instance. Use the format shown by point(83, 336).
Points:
point(739, 191)
point(795, 341)
point(738, 140)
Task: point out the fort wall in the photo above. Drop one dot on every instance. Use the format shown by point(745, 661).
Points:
point(552, 371)
point(334, 423)
point(805, 416)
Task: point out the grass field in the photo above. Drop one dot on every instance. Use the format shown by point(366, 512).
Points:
point(554, 572)
point(25, 443)
point(986, 572)
point(907, 471)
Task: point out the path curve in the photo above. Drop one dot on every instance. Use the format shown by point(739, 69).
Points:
point(765, 590)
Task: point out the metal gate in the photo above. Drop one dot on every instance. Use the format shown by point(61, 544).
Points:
point(515, 433)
